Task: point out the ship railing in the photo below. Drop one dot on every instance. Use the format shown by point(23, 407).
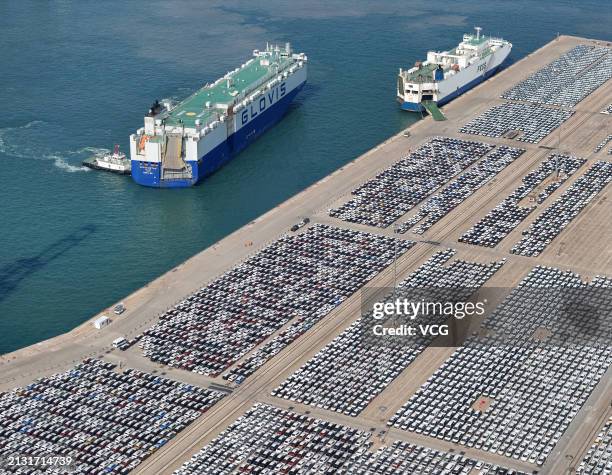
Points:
point(265, 79)
point(245, 93)
point(496, 41)
point(236, 98)
point(161, 130)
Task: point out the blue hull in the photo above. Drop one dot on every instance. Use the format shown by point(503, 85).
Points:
point(150, 174)
point(417, 107)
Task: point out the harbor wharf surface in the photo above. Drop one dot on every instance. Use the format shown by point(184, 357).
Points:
point(581, 245)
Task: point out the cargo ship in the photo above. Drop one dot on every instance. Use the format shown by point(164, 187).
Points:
point(448, 74)
point(182, 144)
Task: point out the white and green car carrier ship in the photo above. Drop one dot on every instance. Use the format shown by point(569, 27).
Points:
point(448, 74)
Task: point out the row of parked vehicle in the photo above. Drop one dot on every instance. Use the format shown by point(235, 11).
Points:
point(297, 328)
point(267, 439)
point(508, 214)
point(598, 458)
point(347, 374)
point(560, 214)
point(603, 143)
point(509, 396)
point(406, 458)
point(383, 199)
point(298, 276)
point(460, 189)
point(101, 419)
point(586, 82)
point(268, 350)
point(572, 311)
point(533, 121)
point(567, 80)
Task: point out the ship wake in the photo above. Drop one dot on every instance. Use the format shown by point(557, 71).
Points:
point(30, 141)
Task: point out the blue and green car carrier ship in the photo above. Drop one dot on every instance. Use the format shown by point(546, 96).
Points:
point(179, 146)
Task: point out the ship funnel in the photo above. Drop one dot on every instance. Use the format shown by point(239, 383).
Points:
point(478, 30)
point(288, 48)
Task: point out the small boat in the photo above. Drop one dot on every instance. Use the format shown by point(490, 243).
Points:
point(115, 162)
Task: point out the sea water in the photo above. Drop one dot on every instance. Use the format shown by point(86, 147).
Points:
point(76, 77)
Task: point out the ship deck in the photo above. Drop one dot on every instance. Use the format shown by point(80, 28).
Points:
point(424, 74)
point(194, 106)
point(582, 247)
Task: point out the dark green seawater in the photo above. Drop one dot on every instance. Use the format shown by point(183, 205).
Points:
point(77, 76)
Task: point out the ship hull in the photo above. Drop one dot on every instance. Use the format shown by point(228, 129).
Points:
point(150, 174)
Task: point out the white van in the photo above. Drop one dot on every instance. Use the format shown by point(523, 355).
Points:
point(119, 342)
point(101, 322)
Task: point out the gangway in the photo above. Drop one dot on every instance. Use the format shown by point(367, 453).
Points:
point(173, 164)
point(432, 108)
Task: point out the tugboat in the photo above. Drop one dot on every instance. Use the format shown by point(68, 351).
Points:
point(115, 162)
